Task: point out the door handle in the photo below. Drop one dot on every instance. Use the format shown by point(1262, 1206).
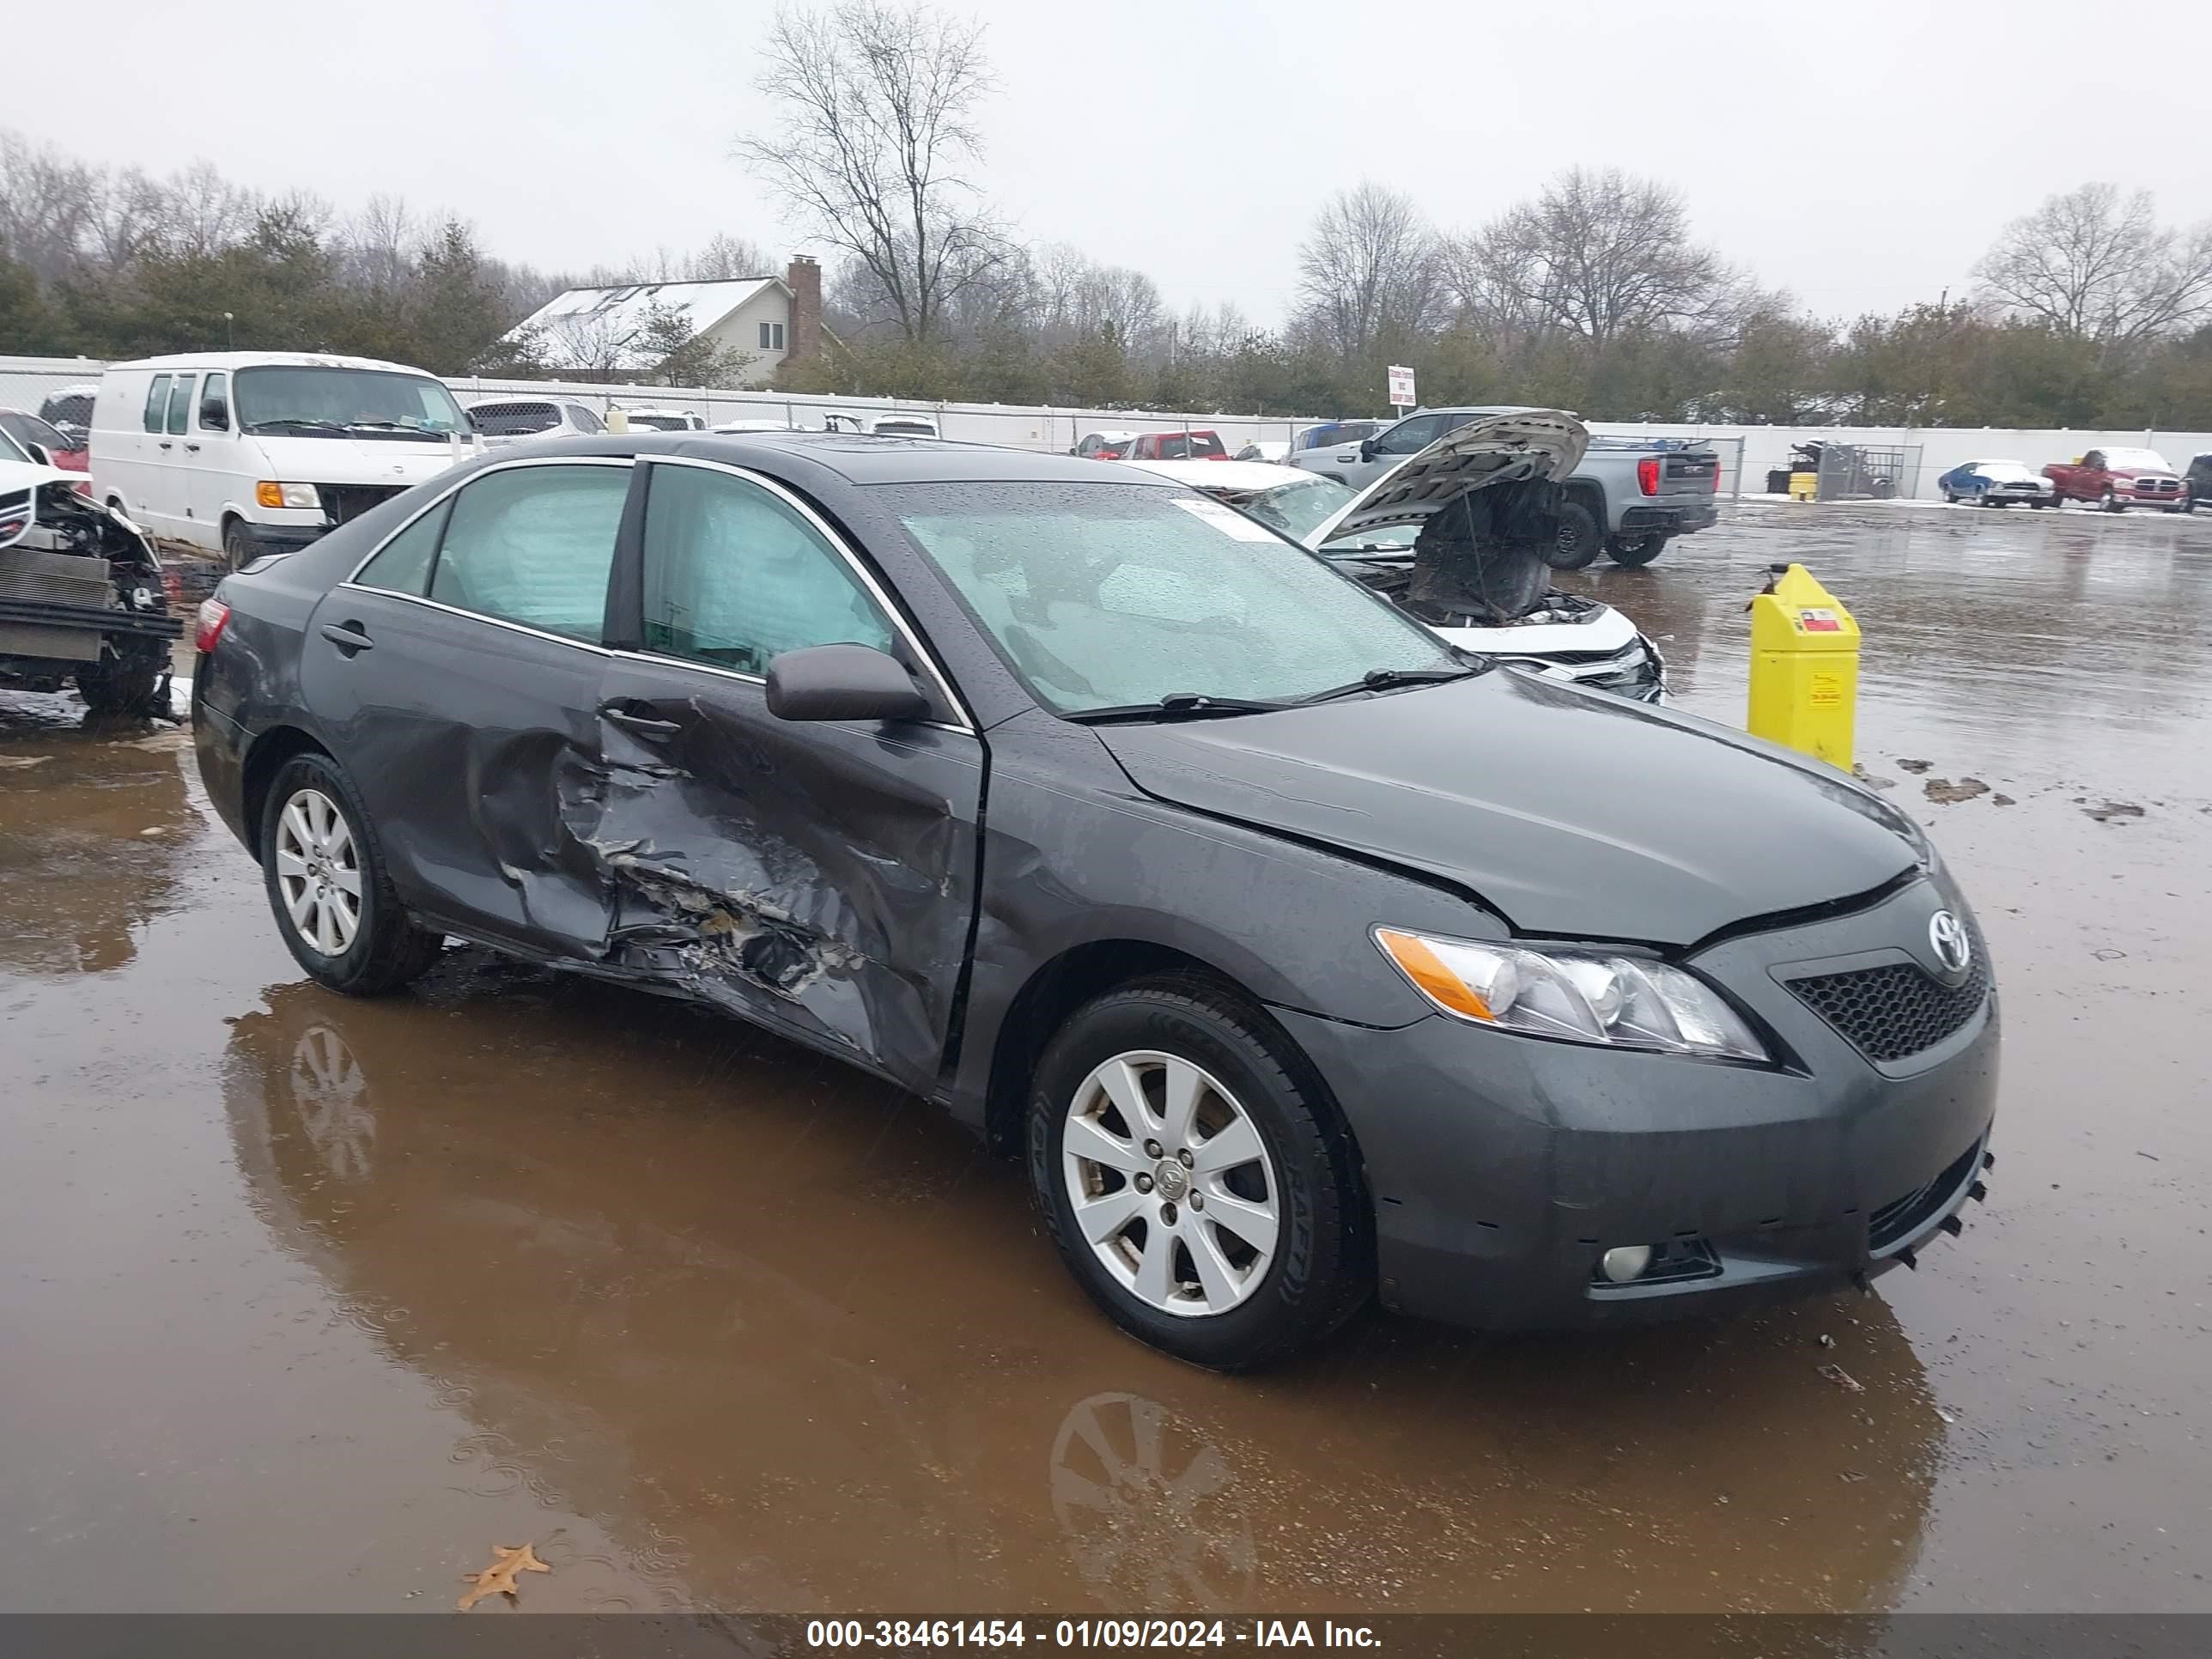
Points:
point(165, 444)
point(644, 725)
point(1348, 456)
point(348, 637)
point(194, 448)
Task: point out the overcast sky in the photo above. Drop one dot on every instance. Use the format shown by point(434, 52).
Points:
point(1862, 158)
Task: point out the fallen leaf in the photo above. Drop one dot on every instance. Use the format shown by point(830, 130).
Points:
point(1914, 765)
point(1944, 792)
point(2114, 809)
point(498, 1579)
point(1843, 1379)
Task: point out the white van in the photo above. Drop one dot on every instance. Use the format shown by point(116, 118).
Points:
point(247, 453)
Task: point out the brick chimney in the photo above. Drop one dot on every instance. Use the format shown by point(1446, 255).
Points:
point(804, 277)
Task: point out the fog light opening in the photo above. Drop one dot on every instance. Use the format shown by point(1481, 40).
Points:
point(1625, 1263)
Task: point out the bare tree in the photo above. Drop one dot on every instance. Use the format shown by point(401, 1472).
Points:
point(2097, 265)
point(205, 213)
point(726, 258)
point(878, 108)
point(1598, 255)
point(380, 242)
point(48, 205)
point(1369, 269)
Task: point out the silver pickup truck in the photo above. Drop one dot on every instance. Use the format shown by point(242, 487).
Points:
point(1628, 498)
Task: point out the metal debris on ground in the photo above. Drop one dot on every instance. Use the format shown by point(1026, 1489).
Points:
point(1843, 1379)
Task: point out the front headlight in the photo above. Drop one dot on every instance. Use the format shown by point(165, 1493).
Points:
point(1581, 996)
point(269, 492)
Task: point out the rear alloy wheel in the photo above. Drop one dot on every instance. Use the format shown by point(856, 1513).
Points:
point(1635, 551)
point(1580, 539)
point(1200, 1193)
point(325, 875)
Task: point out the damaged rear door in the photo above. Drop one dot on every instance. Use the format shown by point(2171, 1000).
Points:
point(818, 876)
point(458, 676)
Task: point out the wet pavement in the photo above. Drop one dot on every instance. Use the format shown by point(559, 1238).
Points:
point(308, 1302)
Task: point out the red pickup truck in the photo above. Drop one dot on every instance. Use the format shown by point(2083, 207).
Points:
point(2117, 479)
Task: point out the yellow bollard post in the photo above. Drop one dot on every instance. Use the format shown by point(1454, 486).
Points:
point(1804, 486)
point(1804, 667)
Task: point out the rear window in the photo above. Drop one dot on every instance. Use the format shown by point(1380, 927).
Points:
point(1190, 445)
point(29, 429)
point(659, 423)
point(517, 420)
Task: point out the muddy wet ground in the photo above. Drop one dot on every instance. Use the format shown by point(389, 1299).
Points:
point(308, 1302)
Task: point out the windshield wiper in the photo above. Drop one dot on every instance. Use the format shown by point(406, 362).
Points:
point(1178, 705)
point(293, 420)
point(1389, 679)
point(396, 425)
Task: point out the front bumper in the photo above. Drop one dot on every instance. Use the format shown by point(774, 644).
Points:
point(1503, 1167)
point(285, 538)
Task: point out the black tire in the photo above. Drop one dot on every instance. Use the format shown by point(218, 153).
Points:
point(2113, 503)
point(239, 547)
point(1635, 551)
point(388, 950)
point(121, 685)
point(2039, 506)
point(2189, 503)
point(1581, 539)
point(1950, 500)
point(1322, 1272)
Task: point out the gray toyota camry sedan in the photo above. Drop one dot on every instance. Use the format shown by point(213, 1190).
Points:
point(1306, 958)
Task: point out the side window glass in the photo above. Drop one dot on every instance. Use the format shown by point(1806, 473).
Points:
point(734, 577)
point(534, 546)
point(215, 387)
point(181, 403)
point(1410, 437)
point(401, 565)
point(157, 403)
point(583, 420)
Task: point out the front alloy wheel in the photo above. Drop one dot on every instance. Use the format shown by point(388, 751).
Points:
point(1170, 1184)
point(1195, 1177)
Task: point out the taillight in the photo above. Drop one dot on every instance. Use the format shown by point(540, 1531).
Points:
point(1647, 475)
point(215, 616)
point(82, 486)
point(1716, 477)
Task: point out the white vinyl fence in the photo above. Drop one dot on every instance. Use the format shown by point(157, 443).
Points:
point(24, 381)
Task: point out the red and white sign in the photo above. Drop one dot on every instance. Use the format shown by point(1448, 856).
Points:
point(1402, 386)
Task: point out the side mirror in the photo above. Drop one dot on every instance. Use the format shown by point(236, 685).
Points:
point(843, 682)
point(38, 453)
point(214, 412)
point(1367, 450)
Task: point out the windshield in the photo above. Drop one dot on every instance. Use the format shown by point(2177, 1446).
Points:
point(1114, 595)
point(1296, 509)
point(2136, 460)
point(290, 401)
point(9, 449)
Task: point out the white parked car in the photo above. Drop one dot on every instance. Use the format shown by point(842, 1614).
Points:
point(664, 420)
point(1565, 636)
point(502, 420)
point(247, 453)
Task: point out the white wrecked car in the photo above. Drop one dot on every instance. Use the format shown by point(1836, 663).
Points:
point(1370, 534)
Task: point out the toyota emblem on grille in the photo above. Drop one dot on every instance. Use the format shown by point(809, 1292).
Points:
point(1948, 934)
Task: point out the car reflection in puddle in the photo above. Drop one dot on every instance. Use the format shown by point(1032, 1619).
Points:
point(795, 1343)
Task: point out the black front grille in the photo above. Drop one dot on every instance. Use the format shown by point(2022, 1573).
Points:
point(345, 502)
point(1901, 1217)
point(1892, 1011)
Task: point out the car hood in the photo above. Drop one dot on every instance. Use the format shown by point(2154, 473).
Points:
point(29, 475)
point(1570, 813)
point(362, 460)
point(1521, 443)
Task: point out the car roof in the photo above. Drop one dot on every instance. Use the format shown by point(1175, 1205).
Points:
point(859, 458)
point(1224, 475)
point(237, 360)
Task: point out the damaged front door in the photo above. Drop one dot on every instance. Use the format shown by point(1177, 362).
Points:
point(818, 876)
